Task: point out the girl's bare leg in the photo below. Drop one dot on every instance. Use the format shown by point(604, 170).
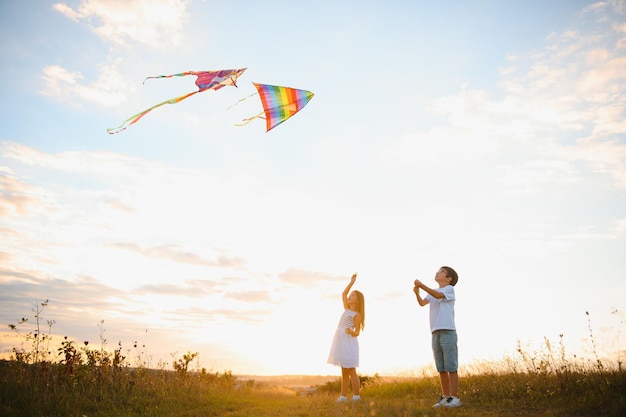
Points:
point(356, 383)
point(345, 381)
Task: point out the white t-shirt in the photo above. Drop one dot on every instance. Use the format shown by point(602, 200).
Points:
point(442, 309)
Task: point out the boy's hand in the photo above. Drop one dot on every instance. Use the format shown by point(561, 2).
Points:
point(417, 283)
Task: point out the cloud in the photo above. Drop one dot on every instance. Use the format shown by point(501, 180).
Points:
point(154, 23)
point(67, 11)
point(107, 91)
point(172, 290)
point(601, 8)
point(176, 254)
point(4, 256)
point(574, 88)
point(251, 296)
point(120, 205)
point(22, 287)
point(604, 74)
point(604, 157)
point(304, 278)
point(192, 202)
point(152, 235)
point(128, 23)
point(619, 228)
point(15, 195)
point(197, 316)
point(525, 177)
point(84, 300)
point(615, 230)
point(100, 164)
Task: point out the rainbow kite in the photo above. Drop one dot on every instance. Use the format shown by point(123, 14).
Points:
point(279, 104)
point(207, 80)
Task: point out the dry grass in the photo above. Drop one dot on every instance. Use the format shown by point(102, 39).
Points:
point(46, 389)
point(83, 381)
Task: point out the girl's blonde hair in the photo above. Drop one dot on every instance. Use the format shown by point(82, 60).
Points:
point(361, 307)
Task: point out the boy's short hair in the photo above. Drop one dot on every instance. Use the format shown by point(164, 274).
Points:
point(454, 277)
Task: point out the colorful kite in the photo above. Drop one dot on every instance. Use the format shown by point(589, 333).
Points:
point(207, 80)
point(279, 104)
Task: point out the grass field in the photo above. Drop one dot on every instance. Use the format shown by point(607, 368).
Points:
point(85, 381)
point(45, 389)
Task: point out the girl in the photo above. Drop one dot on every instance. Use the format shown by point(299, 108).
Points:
point(344, 350)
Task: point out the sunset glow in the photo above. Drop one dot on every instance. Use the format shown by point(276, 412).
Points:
point(487, 136)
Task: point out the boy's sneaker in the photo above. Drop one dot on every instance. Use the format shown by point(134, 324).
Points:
point(341, 399)
point(453, 402)
point(356, 398)
point(442, 401)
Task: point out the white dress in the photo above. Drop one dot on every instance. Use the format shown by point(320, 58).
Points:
point(344, 350)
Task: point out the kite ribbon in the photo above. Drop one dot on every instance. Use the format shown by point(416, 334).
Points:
point(240, 100)
point(249, 119)
point(134, 119)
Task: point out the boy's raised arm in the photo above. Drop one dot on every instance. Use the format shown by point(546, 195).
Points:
point(419, 284)
point(421, 301)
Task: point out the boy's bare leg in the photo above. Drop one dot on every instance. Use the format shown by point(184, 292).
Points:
point(454, 383)
point(445, 383)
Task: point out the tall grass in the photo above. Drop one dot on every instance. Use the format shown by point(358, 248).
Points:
point(83, 380)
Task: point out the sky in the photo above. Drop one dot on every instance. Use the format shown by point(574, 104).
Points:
point(484, 135)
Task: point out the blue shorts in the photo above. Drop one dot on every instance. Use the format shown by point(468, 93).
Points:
point(445, 350)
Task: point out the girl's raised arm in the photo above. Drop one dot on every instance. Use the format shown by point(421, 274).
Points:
point(344, 295)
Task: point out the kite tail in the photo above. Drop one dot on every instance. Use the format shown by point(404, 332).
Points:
point(248, 120)
point(180, 74)
point(240, 100)
point(134, 119)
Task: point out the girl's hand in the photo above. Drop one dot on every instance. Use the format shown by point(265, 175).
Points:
point(353, 278)
point(348, 331)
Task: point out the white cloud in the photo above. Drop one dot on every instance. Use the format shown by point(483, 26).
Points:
point(602, 76)
point(620, 228)
point(573, 89)
point(156, 23)
point(63, 85)
point(605, 157)
point(96, 163)
point(15, 194)
point(192, 201)
point(67, 11)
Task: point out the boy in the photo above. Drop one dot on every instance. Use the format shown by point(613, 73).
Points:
point(444, 339)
